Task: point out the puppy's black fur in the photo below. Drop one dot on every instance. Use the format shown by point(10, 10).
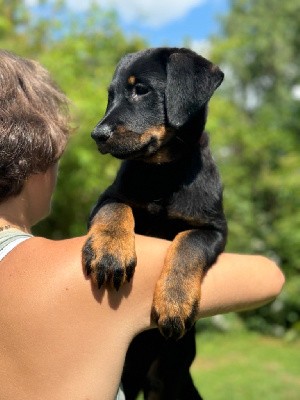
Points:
point(168, 186)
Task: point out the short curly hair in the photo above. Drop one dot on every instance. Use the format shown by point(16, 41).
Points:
point(34, 122)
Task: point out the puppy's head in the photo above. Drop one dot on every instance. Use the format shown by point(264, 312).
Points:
point(153, 94)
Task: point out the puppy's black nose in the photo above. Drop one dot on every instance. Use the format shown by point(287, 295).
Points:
point(101, 133)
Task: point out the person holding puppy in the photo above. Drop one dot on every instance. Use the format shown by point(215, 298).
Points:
point(61, 337)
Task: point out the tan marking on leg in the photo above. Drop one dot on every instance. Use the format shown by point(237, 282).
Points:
point(178, 289)
point(112, 244)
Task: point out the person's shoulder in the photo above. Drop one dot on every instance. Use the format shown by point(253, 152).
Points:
point(64, 249)
point(45, 260)
point(55, 266)
point(57, 257)
point(69, 242)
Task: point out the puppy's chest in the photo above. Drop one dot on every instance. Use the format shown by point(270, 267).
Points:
point(163, 194)
point(161, 219)
point(173, 207)
point(179, 206)
point(157, 207)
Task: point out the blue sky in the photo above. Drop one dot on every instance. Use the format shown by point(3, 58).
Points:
point(196, 23)
point(163, 22)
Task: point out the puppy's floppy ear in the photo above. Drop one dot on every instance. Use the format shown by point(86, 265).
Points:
point(191, 81)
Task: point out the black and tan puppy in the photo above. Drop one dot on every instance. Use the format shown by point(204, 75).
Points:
point(168, 186)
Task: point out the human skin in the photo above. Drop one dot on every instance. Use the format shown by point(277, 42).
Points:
point(61, 337)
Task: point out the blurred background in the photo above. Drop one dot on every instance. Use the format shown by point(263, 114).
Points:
point(254, 123)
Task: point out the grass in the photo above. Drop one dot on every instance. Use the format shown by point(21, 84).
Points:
point(246, 366)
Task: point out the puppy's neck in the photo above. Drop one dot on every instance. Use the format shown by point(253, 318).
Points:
point(184, 141)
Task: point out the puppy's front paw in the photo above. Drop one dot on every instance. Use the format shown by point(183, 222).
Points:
point(175, 306)
point(109, 259)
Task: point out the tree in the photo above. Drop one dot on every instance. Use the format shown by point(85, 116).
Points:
point(14, 19)
point(256, 134)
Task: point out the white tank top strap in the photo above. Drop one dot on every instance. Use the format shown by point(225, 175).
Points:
point(9, 239)
point(120, 394)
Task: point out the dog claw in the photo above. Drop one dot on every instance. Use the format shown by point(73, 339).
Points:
point(88, 269)
point(87, 257)
point(130, 269)
point(100, 277)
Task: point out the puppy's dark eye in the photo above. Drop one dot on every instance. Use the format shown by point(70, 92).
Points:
point(140, 89)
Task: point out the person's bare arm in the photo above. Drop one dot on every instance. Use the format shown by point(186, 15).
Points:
point(236, 282)
point(239, 282)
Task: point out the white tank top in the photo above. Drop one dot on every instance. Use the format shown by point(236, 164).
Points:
point(9, 239)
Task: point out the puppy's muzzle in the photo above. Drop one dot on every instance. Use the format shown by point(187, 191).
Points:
point(102, 133)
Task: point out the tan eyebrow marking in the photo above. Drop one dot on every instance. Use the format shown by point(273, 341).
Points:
point(131, 80)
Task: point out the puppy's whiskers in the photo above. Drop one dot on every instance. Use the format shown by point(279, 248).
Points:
point(179, 139)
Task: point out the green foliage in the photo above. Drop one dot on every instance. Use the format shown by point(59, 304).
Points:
point(14, 22)
point(261, 49)
point(260, 169)
point(256, 136)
